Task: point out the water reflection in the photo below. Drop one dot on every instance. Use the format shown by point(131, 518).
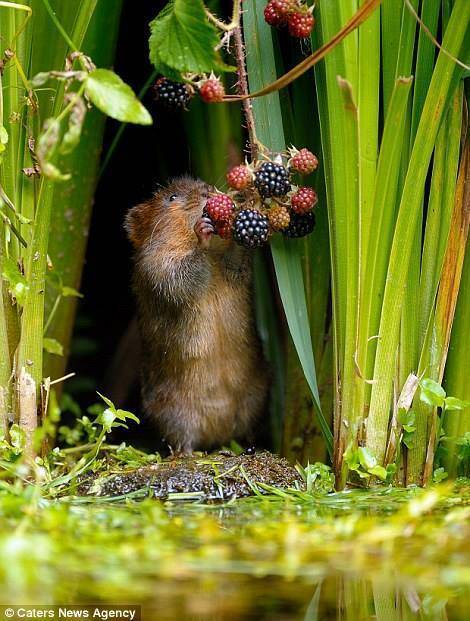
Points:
point(336, 598)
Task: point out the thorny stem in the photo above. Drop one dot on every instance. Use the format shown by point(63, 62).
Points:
point(235, 23)
point(243, 87)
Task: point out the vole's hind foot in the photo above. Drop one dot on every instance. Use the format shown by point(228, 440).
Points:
point(204, 230)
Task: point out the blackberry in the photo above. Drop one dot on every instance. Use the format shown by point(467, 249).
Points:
point(303, 161)
point(250, 228)
point(300, 225)
point(271, 15)
point(272, 180)
point(212, 91)
point(301, 24)
point(279, 217)
point(219, 207)
point(172, 95)
point(239, 177)
point(303, 200)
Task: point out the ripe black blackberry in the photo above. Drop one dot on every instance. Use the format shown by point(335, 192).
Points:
point(272, 180)
point(300, 224)
point(172, 95)
point(250, 228)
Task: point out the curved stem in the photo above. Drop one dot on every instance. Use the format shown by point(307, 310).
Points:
point(235, 22)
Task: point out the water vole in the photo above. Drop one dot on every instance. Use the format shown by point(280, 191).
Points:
point(204, 379)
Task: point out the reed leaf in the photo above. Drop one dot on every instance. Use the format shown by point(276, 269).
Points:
point(444, 81)
point(286, 255)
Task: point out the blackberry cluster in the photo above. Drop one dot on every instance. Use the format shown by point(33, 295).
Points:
point(172, 95)
point(300, 225)
point(250, 228)
point(294, 14)
point(272, 180)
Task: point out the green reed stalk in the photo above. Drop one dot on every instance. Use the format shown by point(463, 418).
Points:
point(72, 209)
point(30, 352)
point(287, 256)
point(444, 81)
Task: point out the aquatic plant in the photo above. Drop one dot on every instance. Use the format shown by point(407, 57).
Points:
point(51, 102)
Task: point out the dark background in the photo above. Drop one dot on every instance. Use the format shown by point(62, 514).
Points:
point(144, 158)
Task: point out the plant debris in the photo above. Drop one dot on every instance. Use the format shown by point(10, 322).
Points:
point(221, 476)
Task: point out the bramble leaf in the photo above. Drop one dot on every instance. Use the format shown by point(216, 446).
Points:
point(115, 98)
point(183, 39)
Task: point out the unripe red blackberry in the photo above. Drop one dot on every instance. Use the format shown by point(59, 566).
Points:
point(219, 207)
point(172, 95)
point(279, 217)
point(239, 177)
point(284, 7)
point(300, 225)
point(272, 16)
point(303, 200)
point(272, 180)
point(224, 229)
point(300, 24)
point(250, 228)
point(212, 91)
point(303, 161)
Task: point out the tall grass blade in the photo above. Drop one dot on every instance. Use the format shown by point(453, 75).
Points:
point(287, 256)
point(444, 81)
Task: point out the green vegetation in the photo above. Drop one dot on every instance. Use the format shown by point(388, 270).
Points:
point(364, 322)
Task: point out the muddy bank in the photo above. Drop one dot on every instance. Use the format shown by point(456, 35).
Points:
point(219, 476)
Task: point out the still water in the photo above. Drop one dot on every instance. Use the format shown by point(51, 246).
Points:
point(360, 555)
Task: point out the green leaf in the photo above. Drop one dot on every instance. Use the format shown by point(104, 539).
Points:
point(407, 420)
point(408, 438)
point(106, 419)
point(18, 285)
point(351, 457)
point(53, 347)
point(432, 393)
point(115, 98)
point(183, 39)
point(70, 292)
point(439, 475)
point(107, 401)
point(3, 140)
point(379, 472)
point(366, 459)
point(452, 403)
point(125, 415)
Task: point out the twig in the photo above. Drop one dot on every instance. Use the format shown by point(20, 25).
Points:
point(243, 88)
point(422, 25)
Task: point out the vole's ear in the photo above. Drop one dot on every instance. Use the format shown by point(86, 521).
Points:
point(136, 224)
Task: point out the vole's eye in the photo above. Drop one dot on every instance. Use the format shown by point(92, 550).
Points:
point(173, 197)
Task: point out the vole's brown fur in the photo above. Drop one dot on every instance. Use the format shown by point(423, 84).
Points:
point(204, 376)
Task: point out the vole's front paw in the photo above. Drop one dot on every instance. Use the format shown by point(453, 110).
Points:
point(204, 230)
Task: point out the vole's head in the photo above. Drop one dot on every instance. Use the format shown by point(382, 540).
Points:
point(171, 212)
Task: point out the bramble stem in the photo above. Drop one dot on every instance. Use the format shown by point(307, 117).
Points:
point(235, 22)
